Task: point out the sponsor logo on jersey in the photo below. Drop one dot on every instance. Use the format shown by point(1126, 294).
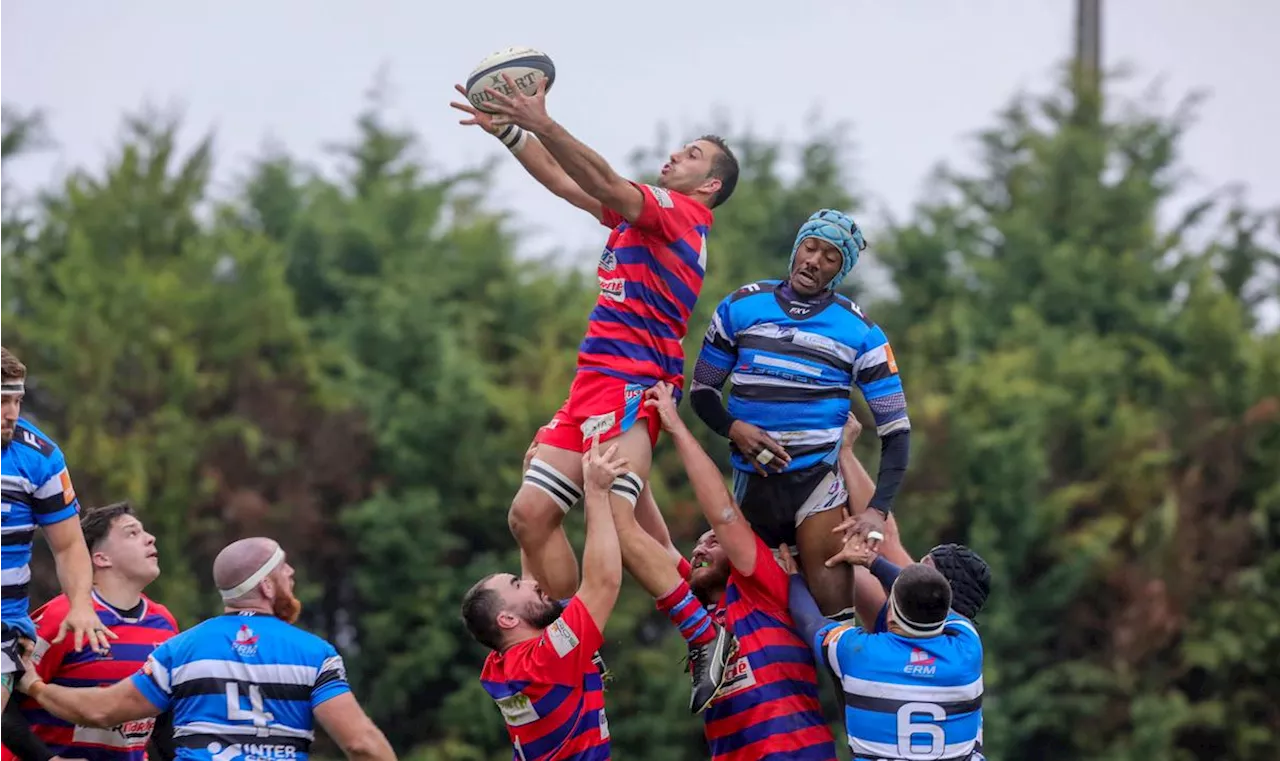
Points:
point(246, 642)
point(614, 288)
point(608, 260)
point(920, 663)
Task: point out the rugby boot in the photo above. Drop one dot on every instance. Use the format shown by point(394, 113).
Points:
point(707, 669)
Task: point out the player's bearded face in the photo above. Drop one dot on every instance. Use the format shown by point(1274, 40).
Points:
point(710, 566)
point(12, 406)
point(284, 605)
point(542, 612)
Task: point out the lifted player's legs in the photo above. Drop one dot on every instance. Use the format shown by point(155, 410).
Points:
point(832, 587)
point(646, 559)
point(550, 488)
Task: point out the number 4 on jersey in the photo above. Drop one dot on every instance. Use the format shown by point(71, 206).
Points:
point(256, 713)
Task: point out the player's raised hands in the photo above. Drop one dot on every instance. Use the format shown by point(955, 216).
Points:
point(869, 524)
point(474, 115)
point(786, 560)
point(599, 469)
point(852, 429)
point(86, 628)
point(515, 107)
point(661, 398)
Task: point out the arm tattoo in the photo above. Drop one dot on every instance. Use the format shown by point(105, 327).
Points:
point(729, 514)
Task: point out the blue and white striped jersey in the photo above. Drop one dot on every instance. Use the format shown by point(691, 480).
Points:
point(793, 365)
point(36, 491)
point(243, 686)
point(908, 698)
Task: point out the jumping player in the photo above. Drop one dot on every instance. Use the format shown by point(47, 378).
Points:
point(541, 672)
point(768, 706)
point(914, 691)
point(125, 561)
point(247, 683)
point(794, 350)
point(37, 492)
point(650, 275)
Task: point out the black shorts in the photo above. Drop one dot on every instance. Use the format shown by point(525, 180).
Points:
point(10, 657)
point(777, 504)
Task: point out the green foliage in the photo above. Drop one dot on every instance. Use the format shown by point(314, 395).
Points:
point(355, 364)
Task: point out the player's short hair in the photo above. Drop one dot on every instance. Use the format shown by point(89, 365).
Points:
point(724, 167)
point(922, 594)
point(480, 607)
point(11, 368)
point(96, 523)
point(968, 574)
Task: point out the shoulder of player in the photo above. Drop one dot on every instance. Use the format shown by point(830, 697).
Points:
point(759, 287)
point(850, 306)
point(159, 609)
point(31, 437)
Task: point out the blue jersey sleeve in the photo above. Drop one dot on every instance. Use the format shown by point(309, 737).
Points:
point(152, 680)
point(837, 644)
point(876, 374)
point(54, 499)
point(331, 679)
point(719, 348)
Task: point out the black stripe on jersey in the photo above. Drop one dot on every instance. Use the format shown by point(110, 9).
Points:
point(759, 392)
point(15, 497)
point(751, 289)
point(217, 686)
point(49, 504)
point(330, 675)
point(854, 310)
point(718, 340)
point(874, 373)
point(791, 349)
point(19, 537)
point(886, 705)
point(24, 435)
point(249, 743)
point(797, 452)
point(14, 592)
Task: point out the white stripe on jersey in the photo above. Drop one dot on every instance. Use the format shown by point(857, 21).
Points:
point(251, 673)
point(886, 751)
point(211, 728)
point(816, 341)
point(912, 693)
point(15, 576)
point(16, 529)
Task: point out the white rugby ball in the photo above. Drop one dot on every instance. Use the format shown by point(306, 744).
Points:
point(526, 67)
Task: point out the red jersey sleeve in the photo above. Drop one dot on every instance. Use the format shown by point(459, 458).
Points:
point(767, 587)
point(564, 651)
point(48, 656)
point(666, 214)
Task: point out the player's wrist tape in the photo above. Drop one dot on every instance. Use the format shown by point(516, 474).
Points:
point(513, 137)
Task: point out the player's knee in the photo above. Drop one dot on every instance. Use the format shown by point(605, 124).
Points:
point(628, 487)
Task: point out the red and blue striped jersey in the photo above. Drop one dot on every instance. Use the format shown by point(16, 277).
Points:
point(549, 691)
point(768, 707)
point(61, 664)
point(650, 276)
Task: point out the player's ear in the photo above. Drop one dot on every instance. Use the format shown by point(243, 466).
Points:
point(507, 620)
point(711, 186)
point(100, 560)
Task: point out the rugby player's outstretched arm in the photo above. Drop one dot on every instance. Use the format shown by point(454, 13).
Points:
point(591, 172)
point(601, 555)
point(346, 722)
point(91, 706)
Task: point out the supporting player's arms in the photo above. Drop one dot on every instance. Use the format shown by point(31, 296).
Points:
point(346, 722)
point(733, 532)
point(601, 553)
point(91, 706)
point(804, 611)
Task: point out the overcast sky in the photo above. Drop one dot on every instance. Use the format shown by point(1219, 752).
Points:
point(914, 77)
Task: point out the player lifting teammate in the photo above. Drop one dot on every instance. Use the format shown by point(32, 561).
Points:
point(650, 275)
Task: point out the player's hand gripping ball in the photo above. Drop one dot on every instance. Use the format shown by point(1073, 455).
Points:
point(526, 67)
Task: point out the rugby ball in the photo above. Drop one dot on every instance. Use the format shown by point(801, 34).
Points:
point(526, 67)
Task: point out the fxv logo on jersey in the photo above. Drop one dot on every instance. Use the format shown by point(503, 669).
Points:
point(920, 663)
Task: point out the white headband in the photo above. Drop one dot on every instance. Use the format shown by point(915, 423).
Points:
point(256, 577)
point(18, 386)
point(908, 626)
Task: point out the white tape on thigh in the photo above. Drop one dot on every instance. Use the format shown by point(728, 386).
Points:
point(628, 486)
point(555, 484)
